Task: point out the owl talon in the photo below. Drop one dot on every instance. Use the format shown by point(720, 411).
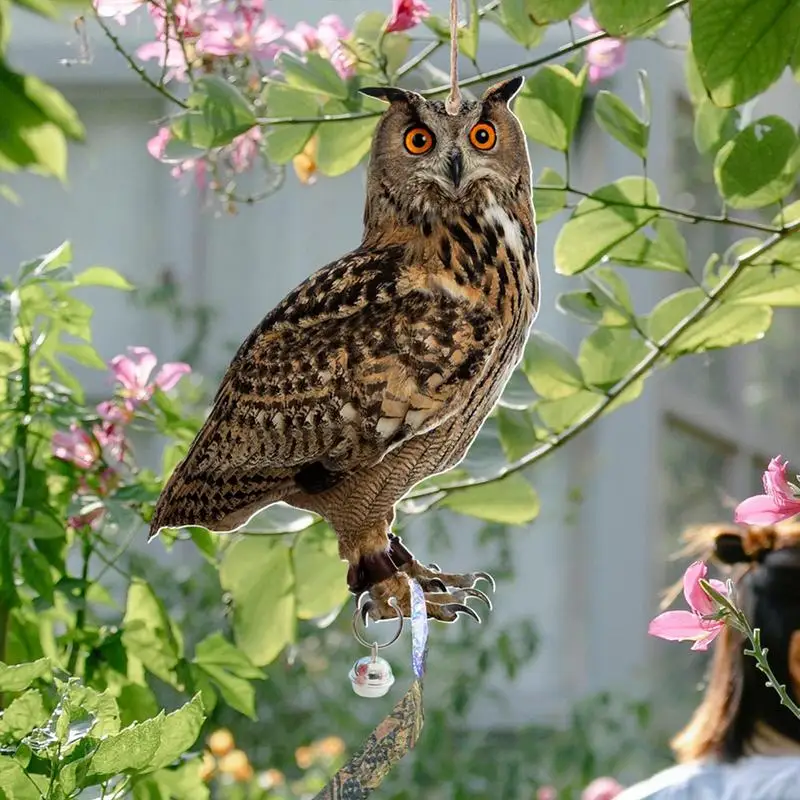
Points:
point(487, 577)
point(484, 598)
point(460, 608)
point(434, 584)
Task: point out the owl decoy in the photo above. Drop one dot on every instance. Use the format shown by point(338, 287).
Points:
point(378, 370)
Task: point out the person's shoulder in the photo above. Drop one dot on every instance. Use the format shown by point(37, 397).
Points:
point(665, 784)
point(776, 778)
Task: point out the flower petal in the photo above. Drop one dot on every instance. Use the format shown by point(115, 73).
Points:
point(713, 630)
point(170, 374)
point(677, 626)
point(697, 599)
point(762, 509)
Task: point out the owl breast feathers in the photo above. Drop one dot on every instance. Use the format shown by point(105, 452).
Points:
point(378, 370)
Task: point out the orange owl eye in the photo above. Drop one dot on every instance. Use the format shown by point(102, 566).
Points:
point(483, 136)
point(418, 140)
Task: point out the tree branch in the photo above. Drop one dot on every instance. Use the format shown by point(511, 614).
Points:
point(644, 367)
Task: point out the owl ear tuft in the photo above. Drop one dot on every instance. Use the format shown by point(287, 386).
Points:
point(504, 92)
point(389, 94)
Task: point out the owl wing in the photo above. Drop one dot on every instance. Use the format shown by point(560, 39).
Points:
point(348, 367)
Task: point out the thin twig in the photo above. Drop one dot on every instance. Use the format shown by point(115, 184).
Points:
point(136, 67)
point(641, 370)
point(676, 212)
point(557, 53)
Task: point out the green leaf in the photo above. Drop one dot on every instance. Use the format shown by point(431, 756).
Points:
point(666, 252)
point(17, 677)
point(607, 355)
point(550, 367)
point(178, 732)
point(37, 573)
point(546, 11)
point(549, 194)
point(626, 16)
point(313, 74)
point(724, 326)
point(603, 221)
point(558, 415)
point(510, 500)
point(619, 121)
point(17, 784)
point(36, 120)
point(103, 276)
point(130, 750)
point(763, 284)
point(257, 571)
point(759, 166)
point(38, 525)
point(549, 105)
point(516, 20)
point(231, 670)
point(741, 46)
point(714, 126)
point(44, 266)
point(148, 633)
point(219, 113)
point(368, 32)
point(284, 142)
point(342, 145)
point(321, 574)
point(582, 305)
point(23, 715)
point(518, 435)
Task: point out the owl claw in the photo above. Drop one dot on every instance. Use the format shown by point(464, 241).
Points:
point(435, 583)
point(484, 598)
point(460, 608)
point(434, 567)
point(487, 577)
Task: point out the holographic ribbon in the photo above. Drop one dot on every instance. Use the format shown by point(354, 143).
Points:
point(397, 733)
point(419, 630)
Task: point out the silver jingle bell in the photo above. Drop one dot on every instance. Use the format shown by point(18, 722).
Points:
point(371, 676)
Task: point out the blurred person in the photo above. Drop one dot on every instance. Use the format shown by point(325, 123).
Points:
point(741, 743)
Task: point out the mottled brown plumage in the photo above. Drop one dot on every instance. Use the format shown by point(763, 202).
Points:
point(378, 370)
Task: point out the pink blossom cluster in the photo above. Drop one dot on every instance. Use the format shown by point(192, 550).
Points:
point(100, 452)
point(239, 39)
point(604, 56)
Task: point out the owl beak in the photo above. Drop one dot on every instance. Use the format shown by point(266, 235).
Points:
point(455, 167)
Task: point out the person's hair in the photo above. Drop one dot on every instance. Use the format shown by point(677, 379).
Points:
point(737, 696)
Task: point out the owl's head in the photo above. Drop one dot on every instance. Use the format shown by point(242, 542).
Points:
point(424, 159)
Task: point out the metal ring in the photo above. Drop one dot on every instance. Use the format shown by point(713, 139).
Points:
point(374, 645)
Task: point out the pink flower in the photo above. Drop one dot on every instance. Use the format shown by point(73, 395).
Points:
point(406, 14)
point(244, 150)
point(326, 39)
point(303, 37)
point(228, 34)
point(546, 793)
point(602, 789)
point(91, 518)
point(117, 10)
point(680, 626)
point(76, 447)
point(605, 56)
point(778, 503)
point(109, 411)
point(169, 54)
point(133, 372)
point(157, 146)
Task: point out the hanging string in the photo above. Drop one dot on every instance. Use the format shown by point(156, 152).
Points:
point(453, 102)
